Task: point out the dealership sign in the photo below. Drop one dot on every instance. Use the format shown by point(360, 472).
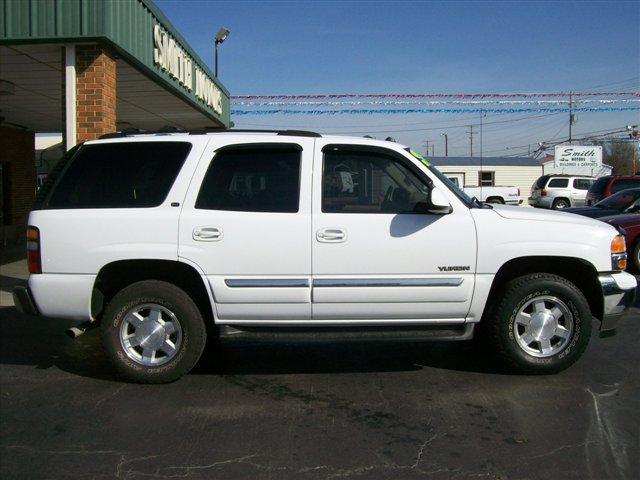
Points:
point(171, 57)
point(578, 156)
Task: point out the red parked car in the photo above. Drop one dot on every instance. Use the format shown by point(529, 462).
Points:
point(630, 222)
point(605, 186)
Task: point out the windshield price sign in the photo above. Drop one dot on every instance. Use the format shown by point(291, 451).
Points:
point(578, 156)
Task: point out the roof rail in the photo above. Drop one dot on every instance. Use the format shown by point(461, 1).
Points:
point(127, 132)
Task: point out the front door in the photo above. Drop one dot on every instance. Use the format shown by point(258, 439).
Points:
point(375, 256)
point(246, 223)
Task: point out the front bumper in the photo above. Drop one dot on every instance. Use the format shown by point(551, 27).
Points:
point(619, 293)
point(23, 301)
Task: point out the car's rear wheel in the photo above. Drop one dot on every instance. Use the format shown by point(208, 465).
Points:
point(560, 204)
point(542, 324)
point(496, 200)
point(153, 332)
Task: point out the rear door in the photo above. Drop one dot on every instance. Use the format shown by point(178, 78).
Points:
point(246, 224)
point(579, 191)
point(375, 258)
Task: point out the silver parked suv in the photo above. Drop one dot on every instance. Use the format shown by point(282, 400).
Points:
point(559, 191)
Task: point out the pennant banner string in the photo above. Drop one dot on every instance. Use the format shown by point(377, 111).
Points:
point(435, 95)
point(395, 111)
point(289, 103)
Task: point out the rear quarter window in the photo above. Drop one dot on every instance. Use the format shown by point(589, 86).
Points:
point(558, 183)
point(541, 181)
point(119, 175)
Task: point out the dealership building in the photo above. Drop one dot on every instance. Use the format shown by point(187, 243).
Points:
point(87, 68)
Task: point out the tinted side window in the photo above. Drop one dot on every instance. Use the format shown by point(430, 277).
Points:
point(359, 182)
point(252, 180)
point(582, 183)
point(119, 175)
point(623, 184)
point(558, 183)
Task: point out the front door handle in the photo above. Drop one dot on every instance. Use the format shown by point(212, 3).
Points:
point(331, 235)
point(207, 234)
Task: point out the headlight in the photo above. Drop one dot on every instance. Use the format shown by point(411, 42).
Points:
point(618, 253)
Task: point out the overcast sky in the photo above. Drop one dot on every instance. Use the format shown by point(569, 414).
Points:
point(377, 47)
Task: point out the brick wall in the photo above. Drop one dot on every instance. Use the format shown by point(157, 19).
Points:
point(17, 155)
point(95, 91)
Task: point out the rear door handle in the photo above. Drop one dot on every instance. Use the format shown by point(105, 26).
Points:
point(331, 235)
point(207, 234)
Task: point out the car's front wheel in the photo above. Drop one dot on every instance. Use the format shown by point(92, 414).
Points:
point(153, 332)
point(635, 256)
point(542, 324)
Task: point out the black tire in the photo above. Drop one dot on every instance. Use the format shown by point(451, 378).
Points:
point(561, 204)
point(634, 261)
point(175, 300)
point(497, 200)
point(500, 323)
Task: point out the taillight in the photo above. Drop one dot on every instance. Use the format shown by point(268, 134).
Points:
point(518, 192)
point(33, 250)
point(543, 192)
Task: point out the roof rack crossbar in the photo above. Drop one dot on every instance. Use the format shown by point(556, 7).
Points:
point(127, 132)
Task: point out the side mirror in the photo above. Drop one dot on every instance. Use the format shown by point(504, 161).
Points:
point(439, 203)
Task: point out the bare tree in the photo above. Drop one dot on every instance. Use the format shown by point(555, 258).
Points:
point(621, 156)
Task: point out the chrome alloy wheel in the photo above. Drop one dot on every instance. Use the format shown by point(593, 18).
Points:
point(150, 334)
point(543, 326)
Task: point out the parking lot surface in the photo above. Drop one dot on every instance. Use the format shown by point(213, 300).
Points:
point(315, 411)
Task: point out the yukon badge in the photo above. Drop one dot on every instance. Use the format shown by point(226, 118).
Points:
point(456, 268)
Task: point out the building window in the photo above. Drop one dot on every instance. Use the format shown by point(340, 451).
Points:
point(486, 179)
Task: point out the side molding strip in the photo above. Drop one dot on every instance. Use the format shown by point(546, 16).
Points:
point(266, 282)
point(387, 282)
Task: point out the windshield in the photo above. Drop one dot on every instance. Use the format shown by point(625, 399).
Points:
point(621, 200)
point(457, 191)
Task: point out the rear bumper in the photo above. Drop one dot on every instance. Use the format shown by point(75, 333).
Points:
point(23, 301)
point(543, 202)
point(619, 293)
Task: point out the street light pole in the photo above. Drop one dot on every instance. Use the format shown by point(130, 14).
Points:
point(220, 37)
point(446, 144)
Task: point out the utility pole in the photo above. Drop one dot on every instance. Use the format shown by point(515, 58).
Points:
point(570, 114)
point(427, 142)
point(446, 144)
point(433, 149)
point(470, 132)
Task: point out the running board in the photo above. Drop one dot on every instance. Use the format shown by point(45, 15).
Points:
point(341, 334)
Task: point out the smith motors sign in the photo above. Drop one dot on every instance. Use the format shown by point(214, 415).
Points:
point(578, 156)
point(171, 57)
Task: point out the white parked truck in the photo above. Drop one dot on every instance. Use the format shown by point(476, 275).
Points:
point(164, 239)
point(488, 194)
point(500, 195)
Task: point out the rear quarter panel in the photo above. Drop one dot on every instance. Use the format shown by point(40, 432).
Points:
point(82, 241)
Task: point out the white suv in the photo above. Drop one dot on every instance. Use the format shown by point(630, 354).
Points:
point(160, 237)
point(560, 191)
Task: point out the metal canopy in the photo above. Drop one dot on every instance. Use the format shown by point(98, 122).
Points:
point(36, 101)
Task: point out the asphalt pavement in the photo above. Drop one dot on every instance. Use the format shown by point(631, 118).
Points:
point(315, 411)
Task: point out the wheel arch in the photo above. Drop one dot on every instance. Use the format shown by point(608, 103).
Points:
point(555, 200)
point(496, 197)
point(117, 275)
point(578, 271)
